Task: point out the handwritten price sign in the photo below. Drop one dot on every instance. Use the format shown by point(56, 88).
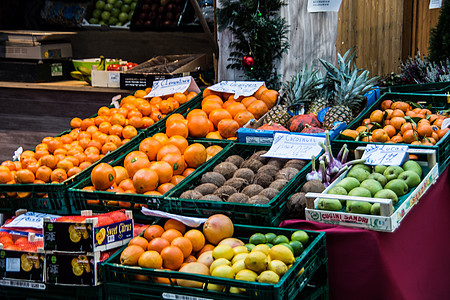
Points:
point(239, 88)
point(294, 146)
point(172, 86)
point(388, 155)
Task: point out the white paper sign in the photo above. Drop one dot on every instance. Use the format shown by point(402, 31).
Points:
point(115, 101)
point(294, 146)
point(387, 155)
point(435, 4)
point(29, 220)
point(172, 86)
point(114, 77)
point(323, 5)
point(189, 221)
point(12, 264)
point(445, 123)
point(238, 88)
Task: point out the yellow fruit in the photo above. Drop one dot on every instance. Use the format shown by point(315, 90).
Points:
point(278, 267)
point(263, 248)
point(193, 268)
point(219, 262)
point(246, 275)
point(268, 277)
point(235, 290)
point(215, 287)
point(256, 261)
point(239, 256)
point(283, 253)
point(238, 266)
point(223, 251)
point(240, 249)
point(223, 271)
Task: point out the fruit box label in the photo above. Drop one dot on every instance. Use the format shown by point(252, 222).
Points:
point(22, 265)
point(66, 236)
point(172, 86)
point(70, 269)
point(388, 155)
point(239, 88)
point(291, 146)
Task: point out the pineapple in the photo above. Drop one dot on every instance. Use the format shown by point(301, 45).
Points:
point(300, 90)
point(319, 103)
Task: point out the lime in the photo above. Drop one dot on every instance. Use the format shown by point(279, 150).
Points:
point(300, 236)
point(269, 244)
point(280, 239)
point(257, 238)
point(287, 245)
point(270, 236)
point(297, 246)
point(250, 246)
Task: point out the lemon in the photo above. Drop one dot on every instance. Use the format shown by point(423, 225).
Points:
point(300, 236)
point(263, 248)
point(278, 267)
point(235, 290)
point(239, 256)
point(238, 266)
point(283, 253)
point(223, 251)
point(240, 249)
point(223, 271)
point(219, 262)
point(288, 246)
point(257, 238)
point(256, 261)
point(246, 275)
point(268, 277)
point(215, 287)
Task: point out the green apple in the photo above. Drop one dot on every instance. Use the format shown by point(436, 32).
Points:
point(347, 205)
point(348, 183)
point(360, 192)
point(387, 194)
point(372, 185)
point(360, 207)
point(97, 13)
point(100, 4)
point(338, 190)
point(115, 12)
point(125, 8)
point(375, 209)
point(358, 173)
point(413, 166)
point(368, 168)
point(118, 4)
point(123, 17)
point(392, 172)
point(106, 15)
point(113, 21)
point(379, 169)
point(398, 186)
point(108, 7)
point(411, 178)
point(378, 177)
point(93, 21)
point(329, 204)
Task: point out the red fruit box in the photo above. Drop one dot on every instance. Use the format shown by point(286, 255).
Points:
point(88, 233)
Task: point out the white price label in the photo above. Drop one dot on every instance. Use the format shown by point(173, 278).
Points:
point(172, 86)
point(323, 5)
point(238, 88)
point(294, 146)
point(435, 4)
point(114, 76)
point(12, 264)
point(387, 155)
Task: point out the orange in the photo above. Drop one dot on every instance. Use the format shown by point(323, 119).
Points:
point(442, 132)
point(214, 135)
point(140, 94)
point(351, 133)
point(151, 260)
point(228, 103)
point(198, 126)
point(175, 224)
point(197, 239)
point(248, 100)
point(390, 130)
point(207, 92)
point(103, 111)
point(195, 112)
point(117, 119)
point(236, 108)
point(134, 113)
point(130, 156)
point(65, 164)
point(44, 173)
point(214, 98)
point(195, 155)
point(153, 193)
point(24, 176)
point(397, 122)
point(126, 184)
point(210, 105)
point(145, 108)
point(75, 123)
point(85, 123)
point(219, 114)
point(184, 244)
point(407, 126)
point(166, 106)
point(380, 136)
point(139, 241)
point(157, 244)
point(176, 179)
point(91, 129)
point(213, 150)
point(397, 113)
point(172, 257)
point(376, 116)
point(243, 117)
point(147, 122)
point(73, 171)
point(108, 147)
point(190, 95)
point(130, 255)
point(129, 132)
point(424, 130)
point(228, 128)
point(180, 98)
point(188, 171)
point(136, 122)
point(174, 117)
point(161, 137)
point(386, 104)
point(145, 180)
point(180, 142)
point(5, 175)
point(259, 92)
point(84, 165)
point(164, 150)
point(163, 169)
point(397, 138)
point(177, 127)
point(269, 97)
point(116, 129)
point(165, 187)
point(403, 106)
point(58, 175)
point(410, 136)
point(170, 234)
point(258, 108)
point(136, 164)
point(150, 146)
point(121, 174)
point(176, 161)
point(103, 176)
point(9, 164)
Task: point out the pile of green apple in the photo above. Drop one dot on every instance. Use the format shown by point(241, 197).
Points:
point(389, 182)
point(113, 12)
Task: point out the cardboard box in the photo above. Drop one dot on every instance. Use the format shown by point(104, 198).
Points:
point(162, 67)
point(109, 79)
point(390, 217)
point(87, 236)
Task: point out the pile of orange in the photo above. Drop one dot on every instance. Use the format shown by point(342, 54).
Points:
point(20, 244)
point(398, 122)
point(160, 163)
point(169, 247)
point(221, 115)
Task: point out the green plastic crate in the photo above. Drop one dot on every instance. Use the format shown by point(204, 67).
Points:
point(120, 283)
point(53, 291)
point(77, 197)
point(438, 102)
point(271, 213)
point(429, 88)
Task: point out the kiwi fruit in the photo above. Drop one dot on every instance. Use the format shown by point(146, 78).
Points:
point(211, 197)
point(296, 205)
point(277, 162)
point(238, 198)
point(278, 184)
point(257, 156)
point(252, 164)
point(244, 173)
point(258, 199)
point(191, 194)
point(262, 179)
point(214, 178)
point(287, 173)
point(235, 160)
point(225, 168)
point(269, 170)
point(269, 193)
point(299, 164)
point(206, 188)
point(237, 183)
point(224, 192)
point(252, 190)
point(313, 186)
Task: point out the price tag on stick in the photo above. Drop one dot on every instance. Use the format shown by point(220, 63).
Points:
point(387, 155)
point(294, 146)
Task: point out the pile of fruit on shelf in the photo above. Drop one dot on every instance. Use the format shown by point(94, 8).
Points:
point(212, 250)
point(400, 122)
point(159, 12)
point(112, 12)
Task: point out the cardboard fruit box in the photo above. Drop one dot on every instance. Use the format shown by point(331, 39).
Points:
point(390, 215)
